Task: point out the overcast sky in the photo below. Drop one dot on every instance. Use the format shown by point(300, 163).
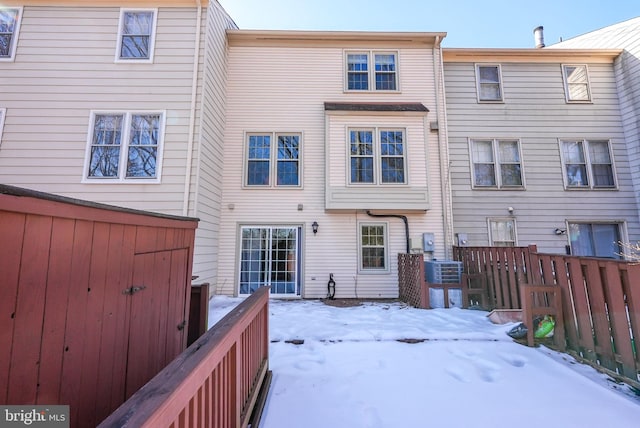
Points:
point(469, 23)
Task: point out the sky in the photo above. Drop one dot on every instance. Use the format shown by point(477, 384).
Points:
point(352, 372)
point(468, 23)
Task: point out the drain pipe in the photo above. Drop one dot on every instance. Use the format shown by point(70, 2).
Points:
point(406, 224)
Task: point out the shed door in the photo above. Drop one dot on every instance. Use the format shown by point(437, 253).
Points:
point(157, 314)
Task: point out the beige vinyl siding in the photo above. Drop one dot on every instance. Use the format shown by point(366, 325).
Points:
point(63, 70)
point(206, 174)
point(625, 35)
point(283, 89)
point(535, 112)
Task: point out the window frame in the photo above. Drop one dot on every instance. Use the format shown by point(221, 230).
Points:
point(492, 241)
point(15, 35)
point(371, 70)
point(620, 228)
point(497, 170)
point(152, 36)
point(124, 147)
point(588, 164)
point(377, 155)
point(3, 114)
point(565, 80)
point(385, 231)
point(273, 160)
point(479, 83)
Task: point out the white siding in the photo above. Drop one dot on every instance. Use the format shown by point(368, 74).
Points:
point(64, 68)
point(535, 112)
point(283, 89)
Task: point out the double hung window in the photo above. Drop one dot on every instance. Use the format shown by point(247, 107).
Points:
point(576, 83)
point(496, 164)
point(273, 160)
point(489, 83)
point(373, 247)
point(587, 164)
point(372, 70)
point(136, 35)
point(9, 27)
point(377, 156)
point(502, 232)
point(125, 146)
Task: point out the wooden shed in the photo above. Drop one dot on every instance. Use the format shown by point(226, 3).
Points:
point(94, 300)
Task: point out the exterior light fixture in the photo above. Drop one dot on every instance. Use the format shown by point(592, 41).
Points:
point(314, 226)
point(560, 231)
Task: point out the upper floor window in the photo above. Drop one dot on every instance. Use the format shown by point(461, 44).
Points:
point(268, 163)
point(496, 163)
point(502, 232)
point(383, 76)
point(377, 156)
point(587, 164)
point(576, 82)
point(125, 146)
point(9, 26)
point(373, 247)
point(489, 82)
point(136, 35)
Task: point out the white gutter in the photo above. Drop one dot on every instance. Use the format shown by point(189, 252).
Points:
point(443, 149)
point(192, 114)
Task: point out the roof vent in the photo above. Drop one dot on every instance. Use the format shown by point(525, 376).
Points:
point(539, 36)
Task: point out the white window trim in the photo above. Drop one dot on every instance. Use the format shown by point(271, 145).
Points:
point(566, 84)
point(124, 148)
point(152, 36)
point(500, 82)
point(515, 229)
point(371, 70)
point(3, 114)
point(371, 271)
point(496, 159)
point(587, 157)
point(16, 35)
point(377, 157)
point(273, 161)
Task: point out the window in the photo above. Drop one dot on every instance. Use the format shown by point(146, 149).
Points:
point(9, 26)
point(377, 156)
point(496, 164)
point(373, 247)
point(595, 239)
point(587, 164)
point(576, 83)
point(360, 76)
point(284, 157)
point(502, 232)
point(3, 112)
point(488, 78)
point(136, 35)
point(125, 146)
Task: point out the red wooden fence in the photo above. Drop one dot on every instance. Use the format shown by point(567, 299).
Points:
point(214, 383)
point(600, 299)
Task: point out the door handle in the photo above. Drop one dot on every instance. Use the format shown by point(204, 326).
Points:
point(133, 289)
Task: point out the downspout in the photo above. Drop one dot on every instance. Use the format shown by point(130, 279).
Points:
point(192, 114)
point(443, 150)
point(406, 224)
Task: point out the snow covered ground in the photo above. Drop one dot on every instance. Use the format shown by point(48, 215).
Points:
point(352, 372)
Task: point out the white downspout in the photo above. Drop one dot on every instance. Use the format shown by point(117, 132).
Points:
point(192, 114)
point(443, 148)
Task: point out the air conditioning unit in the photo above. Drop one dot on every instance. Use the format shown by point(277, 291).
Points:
point(443, 272)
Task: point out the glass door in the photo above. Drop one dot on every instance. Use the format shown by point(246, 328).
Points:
point(270, 256)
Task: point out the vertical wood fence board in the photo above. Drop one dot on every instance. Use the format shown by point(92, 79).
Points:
point(160, 309)
point(618, 319)
point(562, 281)
point(25, 357)
point(632, 292)
point(57, 296)
point(598, 313)
point(510, 262)
point(581, 305)
point(12, 230)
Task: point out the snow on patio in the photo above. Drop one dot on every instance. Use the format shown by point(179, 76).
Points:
point(351, 371)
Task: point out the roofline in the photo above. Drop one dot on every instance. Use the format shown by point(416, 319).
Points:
point(529, 55)
point(280, 36)
point(107, 3)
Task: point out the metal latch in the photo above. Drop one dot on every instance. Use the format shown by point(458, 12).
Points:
point(133, 289)
point(182, 325)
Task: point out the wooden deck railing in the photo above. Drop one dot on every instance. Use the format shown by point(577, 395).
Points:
point(600, 299)
point(213, 383)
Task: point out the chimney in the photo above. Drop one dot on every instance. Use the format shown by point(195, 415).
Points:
point(539, 36)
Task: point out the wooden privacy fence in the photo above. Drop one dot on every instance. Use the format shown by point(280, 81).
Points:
point(214, 383)
point(600, 299)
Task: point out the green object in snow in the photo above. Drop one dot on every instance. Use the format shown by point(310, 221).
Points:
point(545, 328)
